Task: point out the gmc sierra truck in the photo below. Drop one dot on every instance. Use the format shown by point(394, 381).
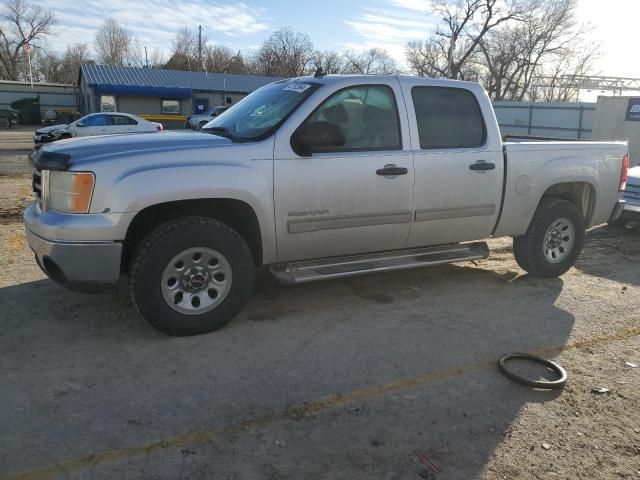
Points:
point(315, 178)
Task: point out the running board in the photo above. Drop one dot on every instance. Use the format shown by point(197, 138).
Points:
point(300, 272)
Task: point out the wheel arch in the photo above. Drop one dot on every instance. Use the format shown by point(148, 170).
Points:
point(234, 213)
point(581, 193)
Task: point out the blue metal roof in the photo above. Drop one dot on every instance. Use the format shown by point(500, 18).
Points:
point(112, 75)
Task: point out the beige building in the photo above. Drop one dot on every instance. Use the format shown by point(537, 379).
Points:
point(618, 118)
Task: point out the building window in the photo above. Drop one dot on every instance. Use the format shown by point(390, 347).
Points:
point(171, 106)
point(107, 103)
point(229, 100)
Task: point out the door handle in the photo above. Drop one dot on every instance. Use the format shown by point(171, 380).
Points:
point(391, 171)
point(482, 166)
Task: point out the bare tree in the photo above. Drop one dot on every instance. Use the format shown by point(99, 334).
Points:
point(330, 61)
point(49, 67)
point(46, 66)
point(185, 50)
point(562, 81)
point(284, 53)
point(224, 60)
point(75, 55)
point(464, 24)
point(546, 40)
point(113, 43)
point(20, 24)
point(372, 61)
point(156, 59)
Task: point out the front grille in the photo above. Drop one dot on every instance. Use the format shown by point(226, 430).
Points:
point(36, 184)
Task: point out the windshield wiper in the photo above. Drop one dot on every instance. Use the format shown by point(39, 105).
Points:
point(220, 131)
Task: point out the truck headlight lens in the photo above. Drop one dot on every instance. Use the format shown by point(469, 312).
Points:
point(70, 192)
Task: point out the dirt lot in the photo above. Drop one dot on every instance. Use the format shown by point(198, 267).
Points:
point(388, 376)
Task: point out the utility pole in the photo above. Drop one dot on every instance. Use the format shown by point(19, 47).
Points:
point(199, 47)
point(452, 49)
point(27, 49)
point(146, 58)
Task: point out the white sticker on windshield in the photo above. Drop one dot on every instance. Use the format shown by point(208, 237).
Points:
point(297, 87)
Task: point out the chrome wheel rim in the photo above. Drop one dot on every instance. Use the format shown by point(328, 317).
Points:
point(558, 241)
point(196, 280)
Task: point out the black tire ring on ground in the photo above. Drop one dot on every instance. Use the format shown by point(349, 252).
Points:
point(554, 384)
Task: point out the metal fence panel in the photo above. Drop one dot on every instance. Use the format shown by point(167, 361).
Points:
point(562, 120)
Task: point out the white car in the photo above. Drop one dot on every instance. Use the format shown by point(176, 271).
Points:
point(96, 124)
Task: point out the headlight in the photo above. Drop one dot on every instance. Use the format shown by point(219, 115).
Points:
point(69, 192)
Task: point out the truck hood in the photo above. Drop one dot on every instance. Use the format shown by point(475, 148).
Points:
point(74, 152)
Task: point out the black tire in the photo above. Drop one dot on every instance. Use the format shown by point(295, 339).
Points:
point(546, 384)
point(5, 123)
point(528, 249)
point(201, 124)
point(156, 251)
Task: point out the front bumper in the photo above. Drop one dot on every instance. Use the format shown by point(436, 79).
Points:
point(82, 266)
point(43, 138)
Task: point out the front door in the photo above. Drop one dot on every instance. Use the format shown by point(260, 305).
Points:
point(458, 164)
point(355, 198)
point(96, 124)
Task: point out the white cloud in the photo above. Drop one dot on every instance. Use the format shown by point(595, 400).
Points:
point(154, 22)
point(419, 5)
point(391, 26)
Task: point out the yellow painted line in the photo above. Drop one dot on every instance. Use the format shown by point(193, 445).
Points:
point(367, 393)
point(163, 117)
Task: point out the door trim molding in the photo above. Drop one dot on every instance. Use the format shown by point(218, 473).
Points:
point(458, 212)
point(347, 221)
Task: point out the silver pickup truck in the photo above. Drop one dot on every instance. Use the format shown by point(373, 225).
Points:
point(315, 178)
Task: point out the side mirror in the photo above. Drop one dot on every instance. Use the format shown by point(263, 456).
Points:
point(79, 124)
point(316, 135)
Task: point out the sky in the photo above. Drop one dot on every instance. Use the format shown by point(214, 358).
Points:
point(332, 24)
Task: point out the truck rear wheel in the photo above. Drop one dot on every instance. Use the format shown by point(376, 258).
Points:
point(191, 275)
point(553, 241)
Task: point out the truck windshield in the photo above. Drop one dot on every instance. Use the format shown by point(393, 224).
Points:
point(258, 115)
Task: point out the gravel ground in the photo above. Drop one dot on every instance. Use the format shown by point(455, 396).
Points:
point(387, 376)
point(15, 145)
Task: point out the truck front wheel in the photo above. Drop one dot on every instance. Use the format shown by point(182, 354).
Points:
point(191, 275)
point(553, 241)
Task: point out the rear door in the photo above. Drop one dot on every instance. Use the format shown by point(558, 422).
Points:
point(339, 201)
point(122, 124)
point(458, 162)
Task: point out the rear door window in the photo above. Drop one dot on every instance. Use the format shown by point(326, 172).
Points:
point(122, 120)
point(448, 118)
